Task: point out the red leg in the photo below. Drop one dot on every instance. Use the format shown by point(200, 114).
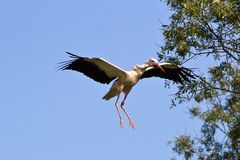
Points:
point(123, 108)
point(120, 117)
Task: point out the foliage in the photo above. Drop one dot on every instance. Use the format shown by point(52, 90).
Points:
point(207, 29)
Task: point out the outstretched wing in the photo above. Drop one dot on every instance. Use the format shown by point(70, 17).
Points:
point(172, 72)
point(96, 68)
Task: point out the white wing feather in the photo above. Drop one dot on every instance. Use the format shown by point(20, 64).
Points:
point(110, 69)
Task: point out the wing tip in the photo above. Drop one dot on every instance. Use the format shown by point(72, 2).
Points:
point(63, 65)
point(71, 55)
point(186, 74)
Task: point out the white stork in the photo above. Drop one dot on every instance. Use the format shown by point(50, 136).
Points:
point(104, 72)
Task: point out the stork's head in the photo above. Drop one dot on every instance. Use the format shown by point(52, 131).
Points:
point(154, 63)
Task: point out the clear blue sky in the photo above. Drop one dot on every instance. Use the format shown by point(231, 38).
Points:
point(48, 114)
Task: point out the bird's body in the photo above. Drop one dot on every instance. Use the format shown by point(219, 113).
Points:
point(104, 72)
point(123, 84)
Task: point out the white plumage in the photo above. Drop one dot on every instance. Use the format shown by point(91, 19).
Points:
point(104, 72)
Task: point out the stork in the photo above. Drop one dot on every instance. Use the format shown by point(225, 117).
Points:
point(104, 72)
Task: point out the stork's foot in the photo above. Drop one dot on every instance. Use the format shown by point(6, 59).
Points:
point(121, 123)
point(131, 124)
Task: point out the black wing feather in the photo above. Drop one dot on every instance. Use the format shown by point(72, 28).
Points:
point(178, 75)
point(87, 68)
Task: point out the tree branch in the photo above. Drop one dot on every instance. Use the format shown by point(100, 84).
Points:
point(217, 88)
point(219, 39)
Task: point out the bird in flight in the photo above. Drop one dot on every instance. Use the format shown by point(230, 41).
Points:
point(104, 72)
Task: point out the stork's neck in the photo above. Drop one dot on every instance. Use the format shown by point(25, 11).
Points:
point(140, 68)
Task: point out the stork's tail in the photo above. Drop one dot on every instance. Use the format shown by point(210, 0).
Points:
point(114, 91)
point(108, 96)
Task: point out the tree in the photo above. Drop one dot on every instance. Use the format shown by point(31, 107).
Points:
point(211, 29)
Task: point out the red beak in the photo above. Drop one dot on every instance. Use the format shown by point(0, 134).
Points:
point(158, 66)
